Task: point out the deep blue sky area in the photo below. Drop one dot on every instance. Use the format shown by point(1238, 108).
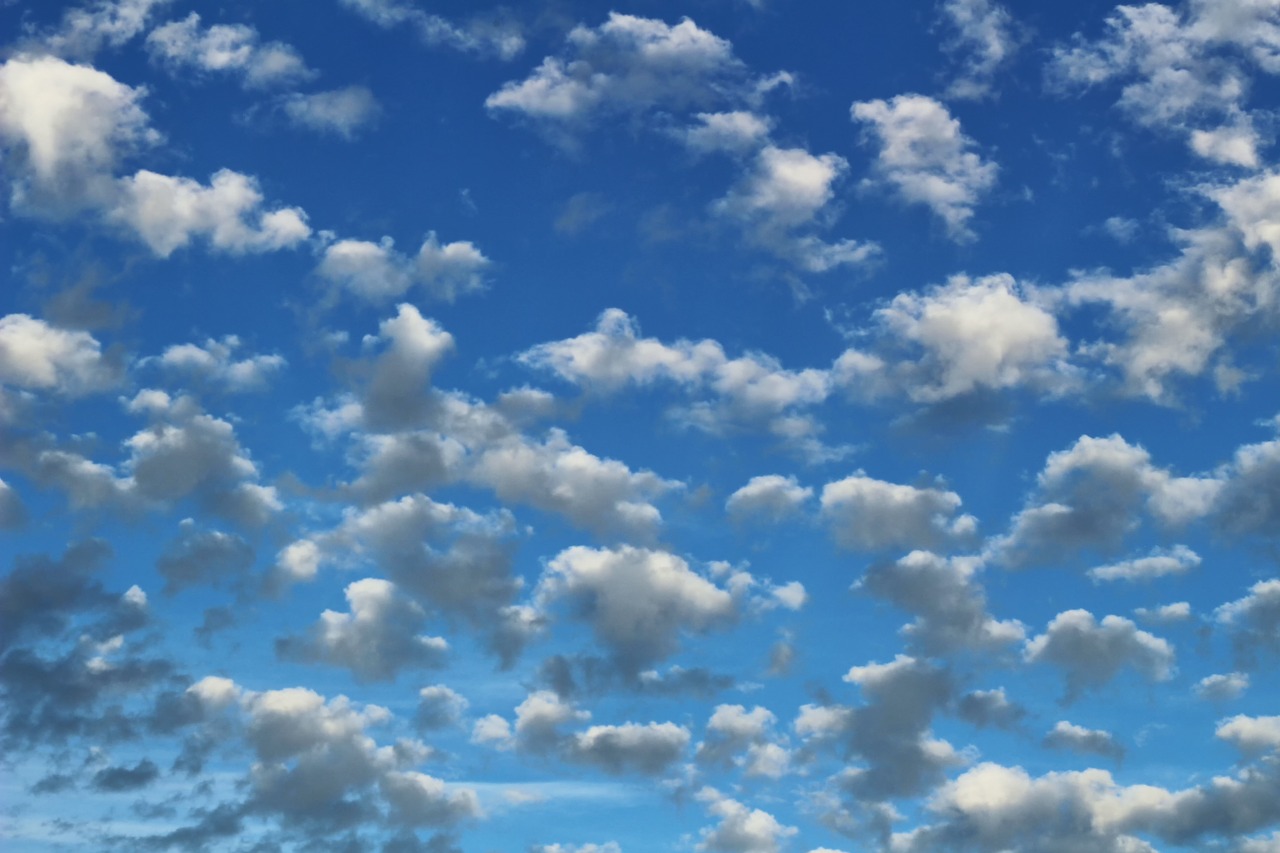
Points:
point(735, 426)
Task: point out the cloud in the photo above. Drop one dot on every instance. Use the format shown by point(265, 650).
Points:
point(1090, 653)
point(960, 338)
point(85, 30)
point(949, 603)
point(439, 707)
point(343, 112)
point(377, 272)
point(375, 641)
point(117, 779)
point(484, 37)
point(734, 132)
point(13, 513)
point(866, 514)
point(214, 362)
point(639, 602)
point(1091, 496)
point(1251, 735)
point(168, 213)
point(771, 497)
point(1254, 620)
point(228, 48)
point(417, 799)
point(1222, 688)
point(627, 65)
point(1065, 735)
point(1165, 614)
point(983, 708)
point(787, 189)
point(984, 40)
point(648, 748)
point(741, 829)
point(66, 127)
point(1176, 561)
point(199, 557)
point(926, 159)
point(39, 356)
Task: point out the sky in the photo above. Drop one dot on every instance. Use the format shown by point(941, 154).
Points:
point(739, 426)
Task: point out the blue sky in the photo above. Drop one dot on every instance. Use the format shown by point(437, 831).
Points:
point(731, 426)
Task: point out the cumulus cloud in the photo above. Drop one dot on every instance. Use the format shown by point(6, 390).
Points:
point(983, 39)
point(1175, 561)
point(770, 496)
point(966, 336)
point(741, 829)
point(734, 132)
point(200, 557)
point(1222, 687)
point(214, 361)
point(626, 65)
point(439, 707)
point(377, 272)
point(948, 600)
point(38, 356)
point(85, 30)
point(1251, 735)
point(1165, 614)
point(1254, 620)
point(376, 640)
point(417, 799)
point(983, 708)
point(1091, 496)
point(343, 112)
point(1091, 654)
point(228, 48)
point(639, 602)
point(866, 514)
point(1065, 735)
point(926, 159)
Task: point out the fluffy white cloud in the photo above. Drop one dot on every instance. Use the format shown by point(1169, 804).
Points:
point(375, 640)
point(648, 748)
point(1222, 687)
point(1091, 653)
point(949, 603)
point(417, 799)
point(639, 602)
point(741, 829)
point(735, 132)
point(1166, 614)
point(627, 64)
point(214, 361)
point(926, 159)
point(1251, 734)
point(983, 40)
point(66, 128)
point(344, 112)
point(39, 356)
point(971, 335)
point(85, 30)
point(871, 515)
point(1065, 735)
point(168, 213)
point(1176, 561)
point(233, 48)
point(771, 496)
point(377, 272)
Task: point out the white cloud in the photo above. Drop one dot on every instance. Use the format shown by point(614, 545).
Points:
point(214, 361)
point(639, 602)
point(375, 640)
point(983, 41)
point(1178, 560)
point(771, 496)
point(68, 127)
point(1090, 653)
point(1251, 734)
point(344, 112)
point(628, 64)
point(1065, 735)
point(971, 335)
point(1222, 687)
point(168, 213)
point(233, 48)
point(377, 272)
point(926, 159)
point(741, 829)
point(417, 799)
point(1165, 614)
point(1255, 619)
point(648, 748)
point(949, 603)
point(498, 37)
point(734, 132)
point(868, 514)
point(36, 355)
